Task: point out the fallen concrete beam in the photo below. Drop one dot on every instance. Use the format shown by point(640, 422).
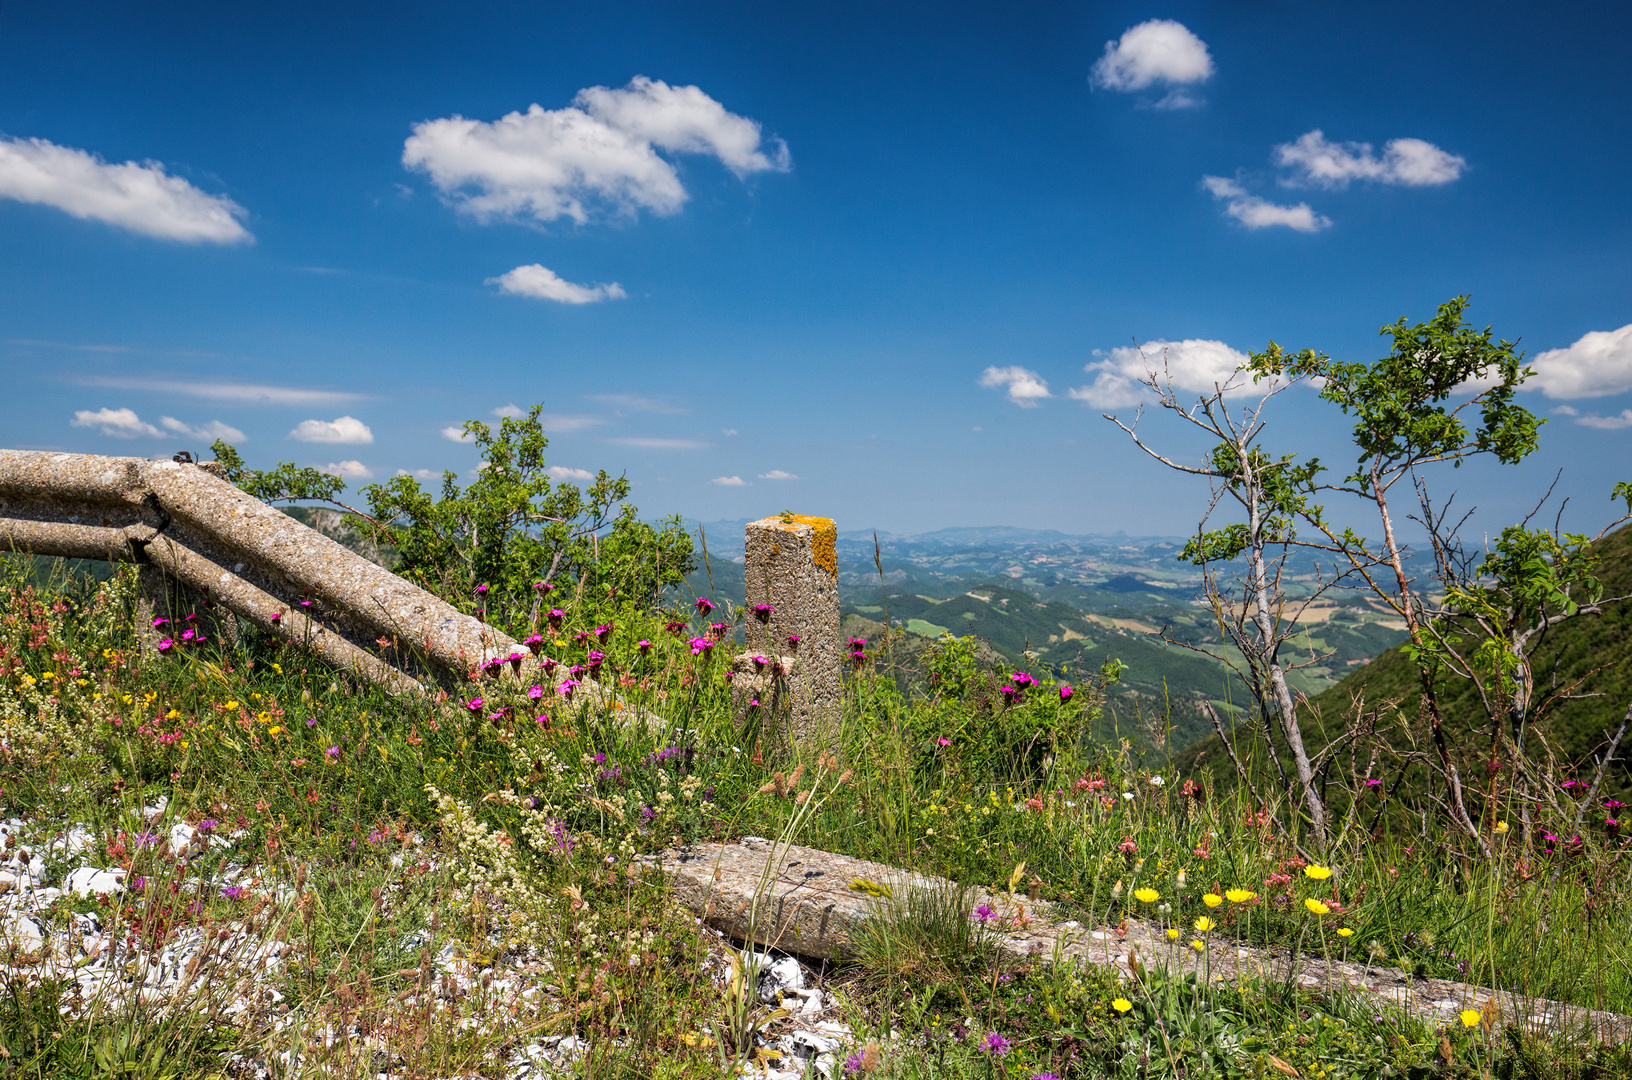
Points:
point(805, 901)
point(232, 549)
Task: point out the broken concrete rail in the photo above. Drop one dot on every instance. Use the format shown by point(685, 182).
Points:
point(806, 901)
point(232, 549)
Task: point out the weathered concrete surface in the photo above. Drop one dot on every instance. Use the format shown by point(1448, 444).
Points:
point(801, 900)
point(250, 558)
point(791, 573)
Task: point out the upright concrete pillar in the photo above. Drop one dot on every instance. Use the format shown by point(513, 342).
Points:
point(793, 670)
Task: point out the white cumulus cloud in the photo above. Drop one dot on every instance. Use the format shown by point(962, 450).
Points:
point(729, 481)
point(1025, 387)
point(140, 197)
point(349, 470)
point(1257, 213)
point(1596, 365)
point(542, 283)
point(1157, 51)
point(598, 155)
point(120, 423)
point(420, 474)
point(213, 430)
point(1406, 162)
point(510, 412)
point(561, 472)
point(777, 474)
point(347, 430)
point(456, 434)
point(1195, 364)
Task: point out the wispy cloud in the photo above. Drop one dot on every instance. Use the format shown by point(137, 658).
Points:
point(637, 403)
point(597, 157)
point(1025, 387)
point(542, 283)
point(651, 443)
point(125, 424)
point(239, 393)
point(420, 474)
point(1257, 213)
point(120, 423)
point(344, 430)
point(142, 198)
point(1405, 162)
point(777, 474)
point(212, 430)
point(1607, 423)
point(561, 472)
point(729, 481)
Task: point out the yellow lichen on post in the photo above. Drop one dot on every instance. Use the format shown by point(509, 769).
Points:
point(824, 546)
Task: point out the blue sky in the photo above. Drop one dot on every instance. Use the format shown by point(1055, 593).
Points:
point(795, 241)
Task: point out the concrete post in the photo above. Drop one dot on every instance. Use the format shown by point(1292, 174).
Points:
point(793, 667)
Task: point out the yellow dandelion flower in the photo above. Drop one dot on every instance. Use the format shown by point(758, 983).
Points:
point(1198, 946)
point(1471, 1017)
point(274, 729)
point(1501, 827)
point(1172, 933)
point(1319, 873)
point(1205, 924)
point(278, 668)
point(1147, 895)
point(1212, 899)
point(1316, 907)
point(1344, 931)
point(1121, 1005)
point(1239, 896)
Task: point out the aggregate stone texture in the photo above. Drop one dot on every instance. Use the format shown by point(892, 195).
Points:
point(252, 559)
point(802, 900)
point(790, 565)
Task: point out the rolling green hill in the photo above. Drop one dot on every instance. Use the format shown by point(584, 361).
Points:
point(1596, 649)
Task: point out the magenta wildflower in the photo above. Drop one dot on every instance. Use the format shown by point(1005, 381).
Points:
point(160, 622)
point(675, 628)
point(704, 605)
point(567, 687)
point(984, 913)
point(207, 824)
point(1022, 680)
point(535, 643)
point(794, 640)
point(515, 659)
point(277, 616)
point(332, 752)
point(943, 741)
point(548, 665)
point(719, 629)
point(699, 645)
point(303, 603)
point(232, 892)
point(1066, 691)
point(481, 589)
point(996, 1045)
point(555, 616)
point(643, 645)
point(764, 611)
point(535, 692)
point(543, 586)
point(474, 704)
point(145, 839)
point(759, 661)
point(166, 645)
point(603, 632)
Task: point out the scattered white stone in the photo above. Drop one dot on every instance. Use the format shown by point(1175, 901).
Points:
point(24, 932)
point(181, 837)
point(159, 806)
point(90, 881)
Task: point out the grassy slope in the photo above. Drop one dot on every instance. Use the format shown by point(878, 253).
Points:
point(1575, 727)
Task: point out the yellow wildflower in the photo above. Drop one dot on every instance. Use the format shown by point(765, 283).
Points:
point(1205, 924)
point(1147, 895)
point(1316, 906)
point(1470, 1017)
point(1319, 873)
point(1501, 827)
point(1240, 896)
point(274, 729)
point(1172, 933)
point(1212, 899)
point(172, 714)
point(1121, 1005)
point(1198, 946)
point(1344, 931)
point(232, 706)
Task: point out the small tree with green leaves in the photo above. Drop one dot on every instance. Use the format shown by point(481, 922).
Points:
point(1272, 494)
point(511, 529)
point(1406, 420)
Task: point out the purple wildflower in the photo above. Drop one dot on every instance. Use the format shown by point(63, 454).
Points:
point(1066, 691)
point(984, 913)
point(332, 753)
point(996, 1045)
point(535, 692)
point(232, 892)
point(704, 605)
